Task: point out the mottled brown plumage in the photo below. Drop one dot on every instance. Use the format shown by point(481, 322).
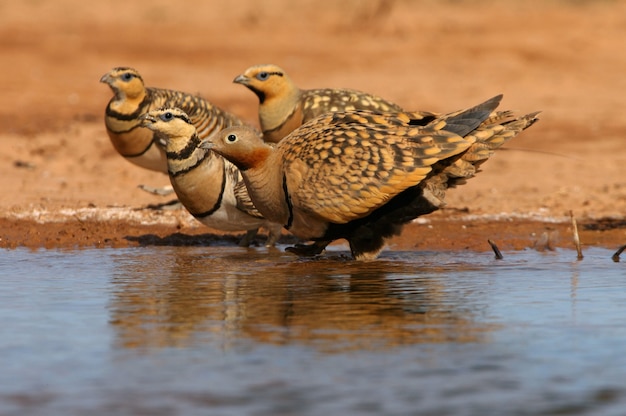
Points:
point(210, 187)
point(132, 99)
point(361, 175)
point(283, 107)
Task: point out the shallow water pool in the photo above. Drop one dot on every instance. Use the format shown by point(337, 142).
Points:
point(232, 331)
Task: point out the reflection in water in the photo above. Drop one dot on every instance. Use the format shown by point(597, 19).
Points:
point(192, 330)
point(230, 295)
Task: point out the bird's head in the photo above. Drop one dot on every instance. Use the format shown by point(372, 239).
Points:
point(241, 145)
point(125, 82)
point(267, 82)
point(171, 124)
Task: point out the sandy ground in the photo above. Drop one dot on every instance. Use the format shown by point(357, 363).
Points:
point(64, 186)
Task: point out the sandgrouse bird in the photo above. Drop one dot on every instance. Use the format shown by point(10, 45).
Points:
point(210, 187)
point(284, 107)
point(360, 175)
point(132, 99)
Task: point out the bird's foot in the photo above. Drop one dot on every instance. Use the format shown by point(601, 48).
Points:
point(248, 238)
point(164, 191)
point(308, 250)
point(274, 231)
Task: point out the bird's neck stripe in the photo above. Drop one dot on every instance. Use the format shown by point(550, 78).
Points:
point(189, 168)
point(218, 203)
point(142, 152)
point(260, 94)
point(141, 108)
point(187, 151)
point(288, 202)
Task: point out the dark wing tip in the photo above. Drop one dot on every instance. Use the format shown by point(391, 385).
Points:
point(466, 121)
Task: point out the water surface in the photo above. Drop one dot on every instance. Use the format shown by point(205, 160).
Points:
point(232, 331)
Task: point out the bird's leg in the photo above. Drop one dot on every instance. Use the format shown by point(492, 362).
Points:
point(247, 239)
point(273, 234)
point(308, 250)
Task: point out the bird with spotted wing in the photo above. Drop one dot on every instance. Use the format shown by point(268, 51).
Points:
point(210, 187)
point(284, 107)
point(361, 175)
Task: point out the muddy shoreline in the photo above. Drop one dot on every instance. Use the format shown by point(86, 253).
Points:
point(147, 227)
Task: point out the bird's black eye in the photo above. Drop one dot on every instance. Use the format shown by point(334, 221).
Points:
point(127, 76)
point(167, 116)
point(263, 76)
point(231, 138)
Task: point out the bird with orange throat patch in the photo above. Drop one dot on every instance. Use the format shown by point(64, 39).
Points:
point(361, 175)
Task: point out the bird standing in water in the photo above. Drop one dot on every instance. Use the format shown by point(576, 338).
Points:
point(361, 175)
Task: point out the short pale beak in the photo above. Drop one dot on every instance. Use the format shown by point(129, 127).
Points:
point(105, 78)
point(241, 79)
point(207, 144)
point(147, 119)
